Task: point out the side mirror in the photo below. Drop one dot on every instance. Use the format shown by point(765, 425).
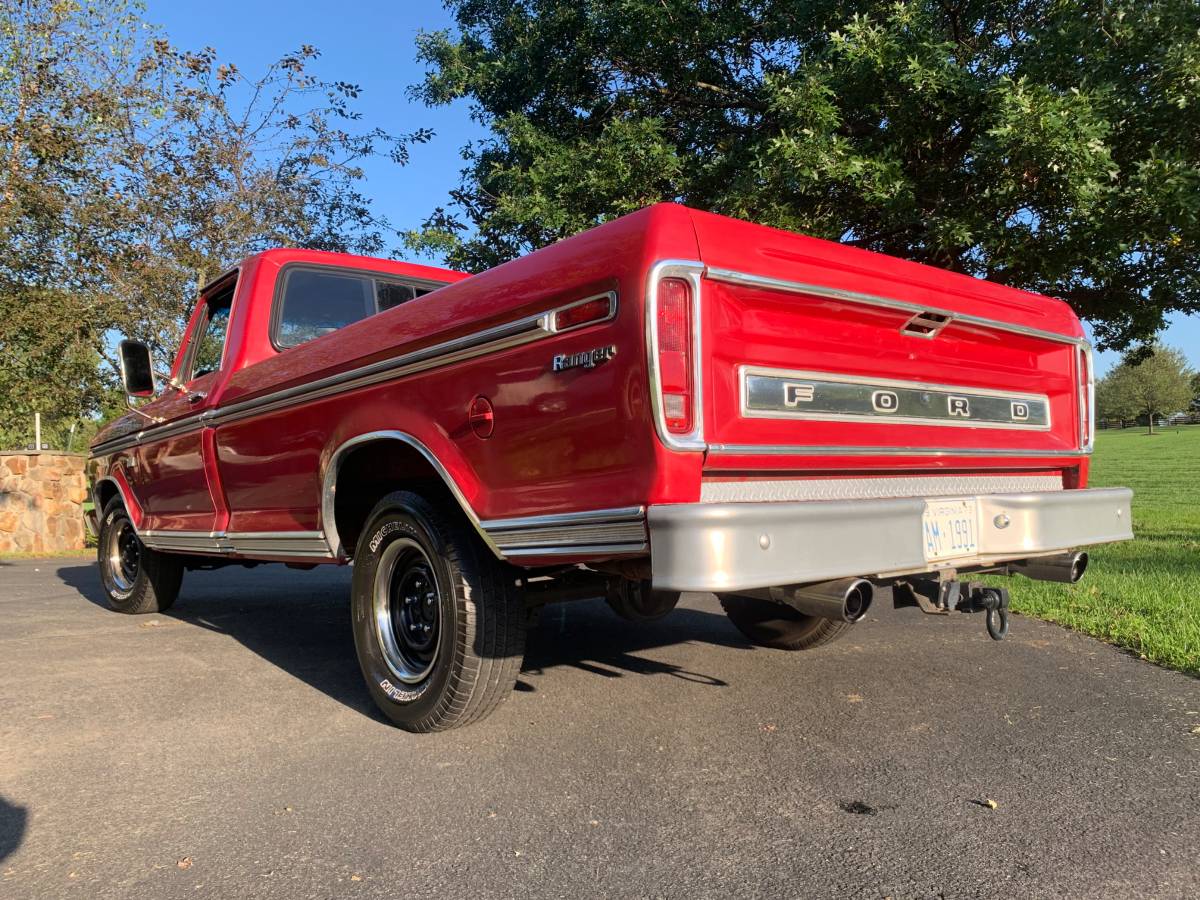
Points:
point(137, 369)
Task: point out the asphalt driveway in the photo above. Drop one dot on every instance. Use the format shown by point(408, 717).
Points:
point(228, 749)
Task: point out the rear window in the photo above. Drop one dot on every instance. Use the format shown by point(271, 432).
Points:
point(313, 302)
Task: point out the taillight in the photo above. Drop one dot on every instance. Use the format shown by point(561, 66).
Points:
point(675, 354)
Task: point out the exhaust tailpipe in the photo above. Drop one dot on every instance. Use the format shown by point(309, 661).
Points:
point(1067, 568)
point(845, 600)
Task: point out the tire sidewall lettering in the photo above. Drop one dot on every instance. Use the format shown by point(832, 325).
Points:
point(400, 694)
point(389, 528)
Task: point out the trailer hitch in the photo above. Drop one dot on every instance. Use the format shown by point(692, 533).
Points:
point(940, 598)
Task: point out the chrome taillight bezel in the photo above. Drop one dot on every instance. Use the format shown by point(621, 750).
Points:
point(691, 272)
point(1085, 385)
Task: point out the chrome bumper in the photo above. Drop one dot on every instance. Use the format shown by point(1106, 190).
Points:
point(740, 546)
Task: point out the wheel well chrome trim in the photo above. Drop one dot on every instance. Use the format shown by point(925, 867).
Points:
point(333, 469)
point(585, 533)
point(111, 479)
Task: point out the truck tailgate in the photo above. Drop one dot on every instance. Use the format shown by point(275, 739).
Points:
point(810, 344)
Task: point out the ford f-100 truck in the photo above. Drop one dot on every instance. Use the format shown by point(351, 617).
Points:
point(672, 401)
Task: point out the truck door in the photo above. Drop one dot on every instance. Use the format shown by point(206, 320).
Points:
point(172, 484)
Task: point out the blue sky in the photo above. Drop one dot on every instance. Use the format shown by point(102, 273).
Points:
point(370, 43)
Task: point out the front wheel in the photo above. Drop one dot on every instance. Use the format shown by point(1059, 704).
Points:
point(439, 623)
point(136, 578)
point(779, 627)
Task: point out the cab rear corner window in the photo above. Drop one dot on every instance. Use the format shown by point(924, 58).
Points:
point(389, 294)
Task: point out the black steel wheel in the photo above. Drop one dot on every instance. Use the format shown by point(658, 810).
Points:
point(135, 578)
point(439, 622)
point(408, 614)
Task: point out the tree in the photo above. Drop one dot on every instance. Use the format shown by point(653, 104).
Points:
point(1159, 384)
point(132, 171)
point(1196, 392)
point(1112, 403)
point(214, 165)
point(54, 209)
point(1049, 146)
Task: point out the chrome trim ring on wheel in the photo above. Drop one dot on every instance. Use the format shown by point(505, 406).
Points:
point(124, 553)
point(408, 610)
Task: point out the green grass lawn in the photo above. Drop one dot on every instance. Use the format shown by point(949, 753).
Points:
point(1142, 594)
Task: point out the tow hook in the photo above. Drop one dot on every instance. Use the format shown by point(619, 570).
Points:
point(940, 598)
point(990, 600)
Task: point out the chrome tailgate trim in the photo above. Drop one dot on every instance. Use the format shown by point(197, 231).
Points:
point(873, 488)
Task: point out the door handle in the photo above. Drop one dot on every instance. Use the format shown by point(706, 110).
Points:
point(195, 397)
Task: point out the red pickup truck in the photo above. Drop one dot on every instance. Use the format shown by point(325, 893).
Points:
point(673, 401)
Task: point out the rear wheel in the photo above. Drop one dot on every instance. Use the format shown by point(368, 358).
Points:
point(439, 623)
point(136, 578)
point(780, 627)
point(636, 601)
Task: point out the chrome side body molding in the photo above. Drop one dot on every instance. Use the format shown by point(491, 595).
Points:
point(299, 544)
point(602, 532)
point(490, 340)
point(608, 532)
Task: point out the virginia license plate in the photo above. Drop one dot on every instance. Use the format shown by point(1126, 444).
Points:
point(951, 528)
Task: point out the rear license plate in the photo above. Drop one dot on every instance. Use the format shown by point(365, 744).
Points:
point(951, 528)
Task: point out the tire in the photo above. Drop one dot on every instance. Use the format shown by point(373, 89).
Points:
point(136, 579)
point(635, 601)
point(439, 622)
point(777, 626)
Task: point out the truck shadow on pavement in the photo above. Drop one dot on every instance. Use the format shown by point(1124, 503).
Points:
point(589, 636)
point(12, 827)
point(297, 621)
point(300, 622)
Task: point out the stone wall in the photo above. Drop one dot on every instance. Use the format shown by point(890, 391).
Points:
point(41, 502)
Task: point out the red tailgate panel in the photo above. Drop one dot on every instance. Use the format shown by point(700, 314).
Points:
point(748, 326)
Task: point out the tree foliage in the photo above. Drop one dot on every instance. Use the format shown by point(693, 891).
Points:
point(132, 171)
point(1052, 146)
point(1160, 384)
